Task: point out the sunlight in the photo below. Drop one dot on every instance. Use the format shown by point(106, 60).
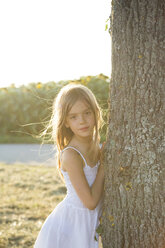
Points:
point(50, 40)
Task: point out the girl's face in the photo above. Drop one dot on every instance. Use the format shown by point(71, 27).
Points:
point(80, 119)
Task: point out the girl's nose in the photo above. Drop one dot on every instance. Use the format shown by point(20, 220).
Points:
point(82, 118)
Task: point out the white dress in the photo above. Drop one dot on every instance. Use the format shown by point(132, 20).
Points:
point(71, 224)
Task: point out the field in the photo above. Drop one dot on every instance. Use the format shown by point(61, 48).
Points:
point(27, 196)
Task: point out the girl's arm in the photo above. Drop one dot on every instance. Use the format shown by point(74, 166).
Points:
point(90, 196)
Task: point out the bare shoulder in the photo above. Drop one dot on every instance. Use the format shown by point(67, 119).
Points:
point(70, 159)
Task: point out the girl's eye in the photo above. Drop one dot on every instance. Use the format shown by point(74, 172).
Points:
point(88, 112)
point(73, 117)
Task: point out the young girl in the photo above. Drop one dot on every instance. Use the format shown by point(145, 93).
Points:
point(76, 121)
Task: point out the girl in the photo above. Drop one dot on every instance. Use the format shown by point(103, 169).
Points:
point(76, 121)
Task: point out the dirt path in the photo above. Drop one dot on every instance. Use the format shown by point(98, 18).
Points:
point(27, 154)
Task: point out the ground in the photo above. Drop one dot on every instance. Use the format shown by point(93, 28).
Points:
point(29, 193)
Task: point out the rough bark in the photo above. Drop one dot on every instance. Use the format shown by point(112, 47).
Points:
point(134, 207)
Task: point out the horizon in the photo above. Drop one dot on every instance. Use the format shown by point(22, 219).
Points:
point(13, 85)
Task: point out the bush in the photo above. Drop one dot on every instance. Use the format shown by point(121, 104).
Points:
point(25, 110)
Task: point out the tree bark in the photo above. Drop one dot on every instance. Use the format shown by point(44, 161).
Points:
point(134, 159)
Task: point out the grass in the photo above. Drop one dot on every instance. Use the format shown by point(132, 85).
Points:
point(28, 195)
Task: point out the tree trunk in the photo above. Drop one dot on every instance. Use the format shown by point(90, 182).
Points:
point(134, 207)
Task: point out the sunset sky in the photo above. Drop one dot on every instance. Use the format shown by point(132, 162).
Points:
point(53, 40)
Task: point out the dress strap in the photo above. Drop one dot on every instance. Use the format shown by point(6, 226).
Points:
point(75, 150)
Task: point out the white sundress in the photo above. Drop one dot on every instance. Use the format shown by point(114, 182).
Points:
point(71, 224)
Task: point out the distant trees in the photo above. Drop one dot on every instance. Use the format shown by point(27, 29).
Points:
point(24, 110)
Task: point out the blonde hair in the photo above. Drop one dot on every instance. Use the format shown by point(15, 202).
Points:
point(62, 104)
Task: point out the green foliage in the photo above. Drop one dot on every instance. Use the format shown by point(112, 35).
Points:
point(24, 111)
point(107, 24)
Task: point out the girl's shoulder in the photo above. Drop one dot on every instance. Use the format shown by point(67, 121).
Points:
point(68, 153)
point(69, 157)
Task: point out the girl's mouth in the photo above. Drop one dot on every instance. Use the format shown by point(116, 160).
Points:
point(84, 128)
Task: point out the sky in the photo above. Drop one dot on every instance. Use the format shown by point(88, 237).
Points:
point(53, 40)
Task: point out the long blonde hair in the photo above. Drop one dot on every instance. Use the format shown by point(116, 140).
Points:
point(62, 104)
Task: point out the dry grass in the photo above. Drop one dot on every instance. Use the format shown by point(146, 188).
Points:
point(27, 196)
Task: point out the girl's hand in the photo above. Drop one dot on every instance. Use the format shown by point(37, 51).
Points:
point(103, 144)
point(101, 167)
point(101, 170)
point(101, 152)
